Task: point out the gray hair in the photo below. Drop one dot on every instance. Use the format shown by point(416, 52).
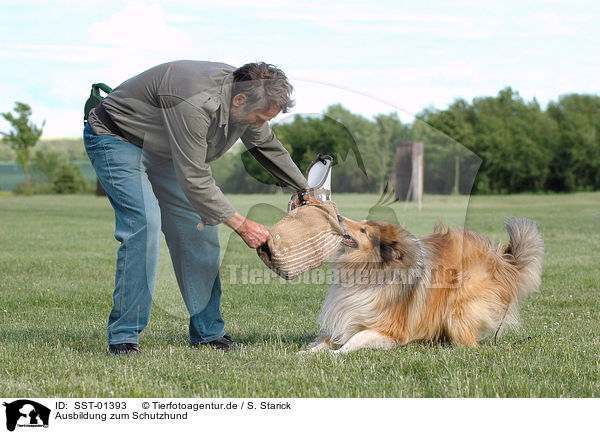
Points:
point(264, 85)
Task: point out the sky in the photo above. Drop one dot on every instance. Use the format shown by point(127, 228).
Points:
point(371, 56)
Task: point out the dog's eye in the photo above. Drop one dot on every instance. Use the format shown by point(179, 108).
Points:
point(363, 230)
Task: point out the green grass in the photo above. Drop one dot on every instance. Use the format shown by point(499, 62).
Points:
point(57, 267)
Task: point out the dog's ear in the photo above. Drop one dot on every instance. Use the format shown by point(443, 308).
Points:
point(389, 241)
point(389, 252)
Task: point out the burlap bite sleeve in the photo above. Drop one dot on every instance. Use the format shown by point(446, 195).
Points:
point(303, 240)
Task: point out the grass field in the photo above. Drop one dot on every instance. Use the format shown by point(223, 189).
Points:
point(57, 266)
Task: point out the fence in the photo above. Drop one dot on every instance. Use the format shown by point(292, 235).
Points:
point(11, 174)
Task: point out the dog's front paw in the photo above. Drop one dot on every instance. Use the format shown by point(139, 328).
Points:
point(313, 348)
point(308, 350)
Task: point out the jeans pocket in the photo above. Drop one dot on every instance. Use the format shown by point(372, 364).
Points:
point(90, 156)
point(90, 148)
point(91, 140)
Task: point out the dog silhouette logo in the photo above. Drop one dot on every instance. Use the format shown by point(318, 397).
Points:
point(26, 413)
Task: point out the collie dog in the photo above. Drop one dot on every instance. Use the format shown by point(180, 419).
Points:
point(451, 286)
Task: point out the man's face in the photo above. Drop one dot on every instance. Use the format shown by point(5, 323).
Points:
point(242, 118)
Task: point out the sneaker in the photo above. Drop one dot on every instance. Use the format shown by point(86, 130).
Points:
point(224, 343)
point(126, 348)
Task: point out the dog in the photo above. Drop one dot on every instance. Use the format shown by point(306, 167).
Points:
point(453, 286)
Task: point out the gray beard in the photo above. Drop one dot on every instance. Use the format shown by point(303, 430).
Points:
point(236, 118)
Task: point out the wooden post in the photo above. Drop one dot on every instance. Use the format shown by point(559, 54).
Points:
point(456, 189)
point(409, 172)
point(417, 172)
point(403, 170)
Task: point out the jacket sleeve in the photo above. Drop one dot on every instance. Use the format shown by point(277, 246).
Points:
point(186, 127)
point(270, 153)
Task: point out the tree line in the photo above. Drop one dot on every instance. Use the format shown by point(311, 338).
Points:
point(524, 148)
point(490, 145)
point(46, 170)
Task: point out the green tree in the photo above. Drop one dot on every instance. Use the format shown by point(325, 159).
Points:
point(511, 136)
point(69, 179)
point(6, 153)
point(45, 164)
point(307, 136)
point(448, 136)
point(353, 134)
point(341, 133)
point(389, 131)
point(515, 139)
point(576, 162)
point(23, 136)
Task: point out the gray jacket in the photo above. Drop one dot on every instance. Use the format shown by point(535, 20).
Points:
point(180, 110)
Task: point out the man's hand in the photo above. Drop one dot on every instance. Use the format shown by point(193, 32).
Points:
point(254, 234)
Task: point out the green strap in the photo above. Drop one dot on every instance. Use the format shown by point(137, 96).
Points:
point(97, 87)
point(95, 98)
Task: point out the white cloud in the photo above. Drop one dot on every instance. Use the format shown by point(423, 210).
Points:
point(74, 53)
point(558, 24)
point(460, 71)
point(313, 97)
point(59, 122)
point(140, 27)
point(378, 20)
point(372, 57)
point(407, 89)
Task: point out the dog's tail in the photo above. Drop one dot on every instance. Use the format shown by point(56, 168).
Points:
point(527, 247)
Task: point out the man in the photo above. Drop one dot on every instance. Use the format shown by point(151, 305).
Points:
point(150, 141)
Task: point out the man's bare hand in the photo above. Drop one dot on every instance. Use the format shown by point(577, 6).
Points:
point(254, 234)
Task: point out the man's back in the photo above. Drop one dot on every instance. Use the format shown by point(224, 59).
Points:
point(134, 105)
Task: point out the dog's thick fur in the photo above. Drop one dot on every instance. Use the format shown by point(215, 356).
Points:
point(453, 286)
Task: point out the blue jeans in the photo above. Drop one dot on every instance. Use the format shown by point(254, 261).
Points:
point(146, 196)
